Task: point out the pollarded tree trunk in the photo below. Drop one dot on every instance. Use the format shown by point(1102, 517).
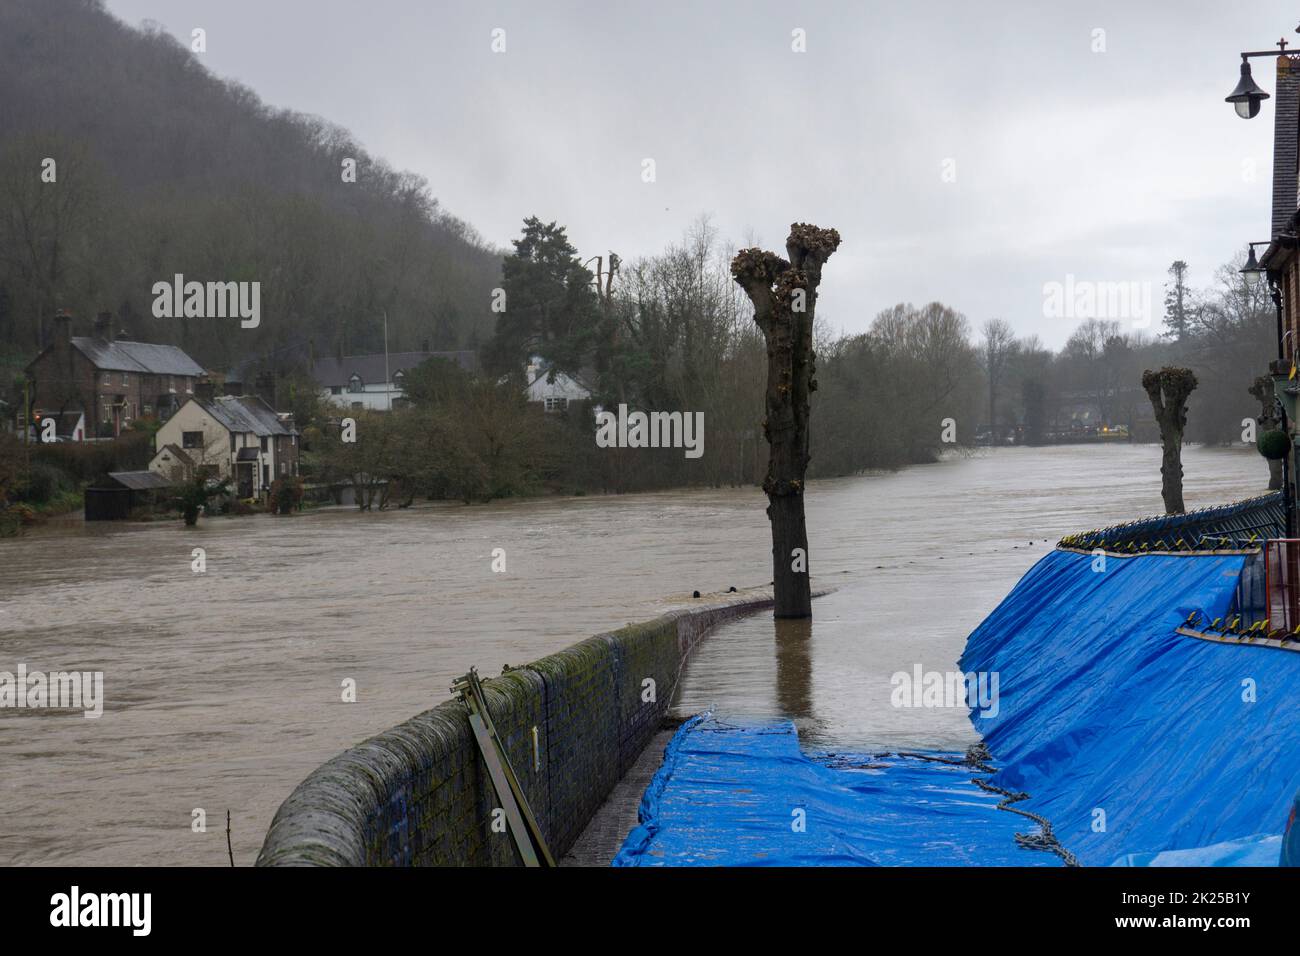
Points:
point(1169, 390)
point(1268, 421)
point(784, 294)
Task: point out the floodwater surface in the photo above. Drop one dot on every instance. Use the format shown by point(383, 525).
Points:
point(225, 688)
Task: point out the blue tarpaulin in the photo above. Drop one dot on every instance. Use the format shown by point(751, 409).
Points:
point(745, 795)
point(1130, 737)
point(1139, 745)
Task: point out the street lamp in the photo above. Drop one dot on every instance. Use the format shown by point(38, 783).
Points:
point(1247, 96)
point(1252, 271)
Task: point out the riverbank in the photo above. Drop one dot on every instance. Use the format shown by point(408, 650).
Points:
point(224, 689)
point(572, 724)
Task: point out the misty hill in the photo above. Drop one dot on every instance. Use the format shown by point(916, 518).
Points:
point(164, 168)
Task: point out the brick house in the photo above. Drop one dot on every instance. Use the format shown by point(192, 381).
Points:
point(113, 381)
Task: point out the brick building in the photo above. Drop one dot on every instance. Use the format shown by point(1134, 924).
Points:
point(111, 380)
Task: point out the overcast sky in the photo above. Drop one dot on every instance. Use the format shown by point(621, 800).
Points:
point(1063, 161)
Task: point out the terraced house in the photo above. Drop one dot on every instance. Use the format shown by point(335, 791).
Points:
point(228, 436)
point(108, 380)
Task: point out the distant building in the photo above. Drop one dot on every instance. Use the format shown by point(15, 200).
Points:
point(111, 381)
point(556, 395)
point(116, 496)
point(360, 382)
point(229, 436)
point(172, 463)
point(69, 426)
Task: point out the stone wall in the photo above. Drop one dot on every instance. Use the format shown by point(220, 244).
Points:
point(418, 795)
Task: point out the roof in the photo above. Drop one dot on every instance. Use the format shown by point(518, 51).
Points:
point(176, 452)
point(140, 480)
point(148, 357)
point(335, 372)
point(66, 422)
point(564, 386)
point(537, 381)
point(244, 413)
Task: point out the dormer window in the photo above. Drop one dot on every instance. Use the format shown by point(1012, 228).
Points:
point(398, 377)
point(355, 384)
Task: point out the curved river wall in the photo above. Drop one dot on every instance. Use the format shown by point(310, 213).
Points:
point(419, 795)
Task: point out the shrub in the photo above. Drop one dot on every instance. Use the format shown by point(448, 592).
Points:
point(1274, 444)
point(86, 461)
point(286, 495)
point(44, 483)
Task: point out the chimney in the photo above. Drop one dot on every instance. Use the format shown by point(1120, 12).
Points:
point(103, 326)
point(205, 391)
point(121, 334)
point(62, 330)
point(233, 388)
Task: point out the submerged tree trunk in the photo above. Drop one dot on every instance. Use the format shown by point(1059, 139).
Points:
point(784, 294)
point(1268, 421)
point(1169, 390)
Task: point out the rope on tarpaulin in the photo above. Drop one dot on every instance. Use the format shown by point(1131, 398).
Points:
point(978, 757)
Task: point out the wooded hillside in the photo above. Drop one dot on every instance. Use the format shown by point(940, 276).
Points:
point(164, 168)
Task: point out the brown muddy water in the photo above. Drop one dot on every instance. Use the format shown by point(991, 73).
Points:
point(223, 689)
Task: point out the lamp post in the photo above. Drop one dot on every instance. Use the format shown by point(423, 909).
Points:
point(1251, 273)
point(1246, 99)
point(1247, 96)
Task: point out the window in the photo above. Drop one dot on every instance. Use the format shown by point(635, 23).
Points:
point(263, 443)
point(284, 468)
point(191, 439)
point(232, 442)
point(126, 379)
point(398, 377)
point(355, 384)
point(358, 405)
point(556, 404)
point(336, 389)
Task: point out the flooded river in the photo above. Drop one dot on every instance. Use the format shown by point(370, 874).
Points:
point(224, 688)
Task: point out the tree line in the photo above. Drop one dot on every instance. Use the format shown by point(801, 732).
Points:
point(124, 161)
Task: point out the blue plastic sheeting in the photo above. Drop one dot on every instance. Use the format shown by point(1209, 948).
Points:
point(729, 796)
point(1259, 850)
point(1104, 709)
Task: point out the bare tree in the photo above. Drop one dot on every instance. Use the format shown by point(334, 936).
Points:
point(996, 350)
point(1169, 390)
point(784, 295)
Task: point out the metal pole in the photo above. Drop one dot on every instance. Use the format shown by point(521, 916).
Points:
point(388, 395)
point(1276, 294)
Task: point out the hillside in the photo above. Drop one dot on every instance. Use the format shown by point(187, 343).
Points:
point(164, 168)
